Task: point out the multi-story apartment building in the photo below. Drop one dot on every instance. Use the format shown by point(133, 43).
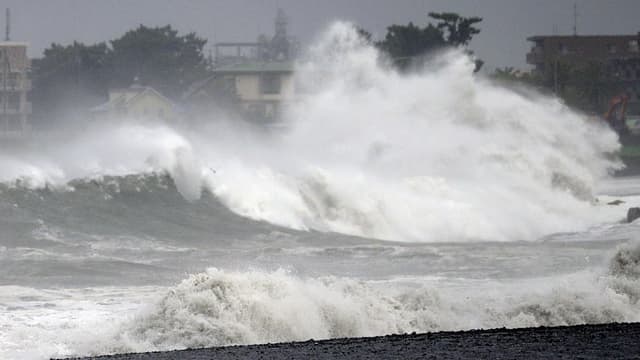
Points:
point(14, 87)
point(616, 56)
point(581, 49)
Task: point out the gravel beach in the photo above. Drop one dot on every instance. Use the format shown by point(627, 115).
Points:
point(619, 341)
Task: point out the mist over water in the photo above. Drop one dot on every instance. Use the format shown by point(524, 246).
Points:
point(381, 203)
point(436, 155)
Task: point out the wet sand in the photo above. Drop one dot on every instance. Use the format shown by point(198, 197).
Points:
point(619, 341)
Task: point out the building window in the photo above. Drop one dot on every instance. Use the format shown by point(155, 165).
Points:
point(13, 81)
point(257, 111)
point(563, 48)
point(270, 84)
point(12, 122)
point(14, 102)
point(229, 84)
point(633, 46)
point(612, 48)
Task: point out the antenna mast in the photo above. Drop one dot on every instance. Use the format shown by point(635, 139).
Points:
point(7, 35)
point(575, 19)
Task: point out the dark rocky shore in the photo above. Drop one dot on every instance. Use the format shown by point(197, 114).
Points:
point(607, 341)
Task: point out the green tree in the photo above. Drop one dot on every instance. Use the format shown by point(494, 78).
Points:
point(586, 87)
point(364, 35)
point(510, 75)
point(589, 86)
point(506, 74)
point(459, 30)
point(160, 58)
point(68, 78)
point(406, 43)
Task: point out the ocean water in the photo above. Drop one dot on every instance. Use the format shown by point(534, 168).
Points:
point(383, 203)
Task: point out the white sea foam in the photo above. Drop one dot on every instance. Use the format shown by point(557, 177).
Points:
point(40, 324)
point(437, 155)
point(219, 307)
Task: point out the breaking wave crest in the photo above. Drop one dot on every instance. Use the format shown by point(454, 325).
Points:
point(221, 308)
point(436, 155)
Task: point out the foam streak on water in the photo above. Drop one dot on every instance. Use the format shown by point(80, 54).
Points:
point(437, 155)
point(471, 205)
point(217, 308)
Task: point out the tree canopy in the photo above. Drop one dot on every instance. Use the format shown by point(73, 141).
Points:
point(459, 30)
point(406, 43)
point(403, 43)
point(67, 76)
point(159, 58)
point(78, 76)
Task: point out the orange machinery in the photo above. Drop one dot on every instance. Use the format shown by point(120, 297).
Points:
point(616, 116)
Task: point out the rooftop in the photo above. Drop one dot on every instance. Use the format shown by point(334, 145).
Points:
point(13, 43)
point(121, 97)
point(256, 67)
point(542, 37)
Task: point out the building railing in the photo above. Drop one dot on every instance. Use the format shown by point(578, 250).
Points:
point(535, 56)
point(15, 85)
point(25, 108)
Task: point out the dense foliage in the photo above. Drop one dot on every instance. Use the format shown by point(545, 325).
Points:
point(586, 87)
point(68, 79)
point(408, 44)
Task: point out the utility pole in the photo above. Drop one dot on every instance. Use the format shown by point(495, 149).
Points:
point(575, 19)
point(555, 76)
point(7, 36)
point(5, 71)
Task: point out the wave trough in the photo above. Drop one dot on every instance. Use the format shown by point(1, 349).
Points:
point(438, 155)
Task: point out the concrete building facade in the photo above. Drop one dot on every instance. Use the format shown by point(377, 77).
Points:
point(136, 102)
point(15, 84)
point(583, 49)
point(261, 89)
point(617, 57)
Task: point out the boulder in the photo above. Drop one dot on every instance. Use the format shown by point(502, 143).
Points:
point(633, 214)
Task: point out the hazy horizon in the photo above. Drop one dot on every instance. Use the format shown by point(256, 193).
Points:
point(502, 41)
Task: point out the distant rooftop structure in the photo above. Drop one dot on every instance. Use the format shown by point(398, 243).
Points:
point(256, 67)
point(14, 85)
point(136, 101)
point(582, 48)
point(618, 57)
point(281, 47)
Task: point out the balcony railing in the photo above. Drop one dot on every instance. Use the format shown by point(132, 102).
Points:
point(535, 57)
point(13, 85)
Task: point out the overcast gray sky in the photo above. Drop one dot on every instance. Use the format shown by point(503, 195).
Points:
point(506, 25)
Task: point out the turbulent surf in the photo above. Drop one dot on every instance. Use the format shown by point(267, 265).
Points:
point(381, 203)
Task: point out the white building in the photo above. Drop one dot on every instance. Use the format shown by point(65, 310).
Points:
point(136, 102)
point(14, 86)
point(262, 89)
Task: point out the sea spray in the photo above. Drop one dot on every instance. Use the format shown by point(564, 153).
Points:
point(436, 155)
point(221, 308)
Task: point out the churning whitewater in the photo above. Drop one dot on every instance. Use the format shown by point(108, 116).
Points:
point(382, 203)
point(438, 155)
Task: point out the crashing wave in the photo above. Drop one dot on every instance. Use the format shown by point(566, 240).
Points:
point(436, 155)
point(220, 308)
